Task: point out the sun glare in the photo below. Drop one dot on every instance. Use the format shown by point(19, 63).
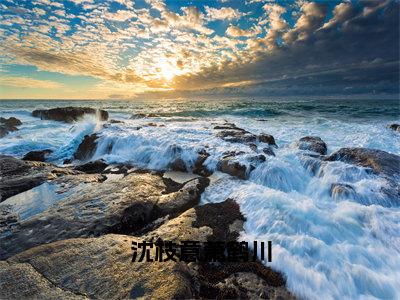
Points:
point(167, 70)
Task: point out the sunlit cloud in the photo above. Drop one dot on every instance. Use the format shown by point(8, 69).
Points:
point(24, 82)
point(136, 47)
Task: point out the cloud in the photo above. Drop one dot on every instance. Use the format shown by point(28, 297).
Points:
point(120, 15)
point(311, 18)
point(359, 51)
point(223, 13)
point(235, 31)
point(192, 18)
point(298, 48)
point(25, 82)
point(341, 13)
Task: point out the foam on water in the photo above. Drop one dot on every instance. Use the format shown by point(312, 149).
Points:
point(328, 246)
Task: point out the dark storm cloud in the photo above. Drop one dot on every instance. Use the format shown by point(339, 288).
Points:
point(356, 51)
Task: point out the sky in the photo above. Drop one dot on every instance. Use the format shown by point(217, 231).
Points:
point(130, 49)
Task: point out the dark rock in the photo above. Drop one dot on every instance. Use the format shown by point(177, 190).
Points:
point(235, 136)
point(228, 126)
point(253, 147)
point(269, 151)
point(142, 116)
point(69, 114)
point(312, 143)
point(267, 138)
point(220, 217)
point(231, 133)
point(227, 154)
point(8, 125)
point(92, 167)
point(199, 167)
point(257, 158)
point(3, 131)
point(379, 161)
point(87, 147)
point(227, 279)
point(10, 122)
point(382, 163)
point(342, 191)
point(178, 165)
point(112, 121)
point(395, 127)
point(67, 161)
point(229, 166)
point(40, 155)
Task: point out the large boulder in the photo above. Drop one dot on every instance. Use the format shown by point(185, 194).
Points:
point(382, 163)
point(91, 207)
point(69, 114)
point(312, 143)
point(39, 155)
point(102, 267)
point(8, 125)
point(87, 147)
point(379, 161)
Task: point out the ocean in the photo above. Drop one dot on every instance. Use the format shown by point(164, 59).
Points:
point(327, 247)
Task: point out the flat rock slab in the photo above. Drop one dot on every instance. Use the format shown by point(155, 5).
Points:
point(95, 208)
point(102, 268)
point(17, 176)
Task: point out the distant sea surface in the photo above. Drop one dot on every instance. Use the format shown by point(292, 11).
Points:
point(328, 248)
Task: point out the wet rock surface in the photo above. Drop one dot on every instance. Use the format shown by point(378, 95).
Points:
point(39, 155)
point(342, 191)
point(395, 127)
point(267, 138)
point(381, 163)
point(230, 166)
point(104, 264)
point(199, 167)
point(88, 234)
point(87, 147)
point(8, 125)
point(18, 176)
point(92, 167)
point(12, 121)
point(312, 143)
point(69, 114)
point(96, 207)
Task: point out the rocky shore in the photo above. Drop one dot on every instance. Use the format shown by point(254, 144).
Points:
point(80, 247)
point(77, 243)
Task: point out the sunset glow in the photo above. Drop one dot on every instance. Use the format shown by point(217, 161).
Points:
point(76, 48)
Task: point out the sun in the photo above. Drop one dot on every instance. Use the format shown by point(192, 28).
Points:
point(168, 73)
point(167, 70)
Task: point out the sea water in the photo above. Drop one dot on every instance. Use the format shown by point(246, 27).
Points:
point(327, 247)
